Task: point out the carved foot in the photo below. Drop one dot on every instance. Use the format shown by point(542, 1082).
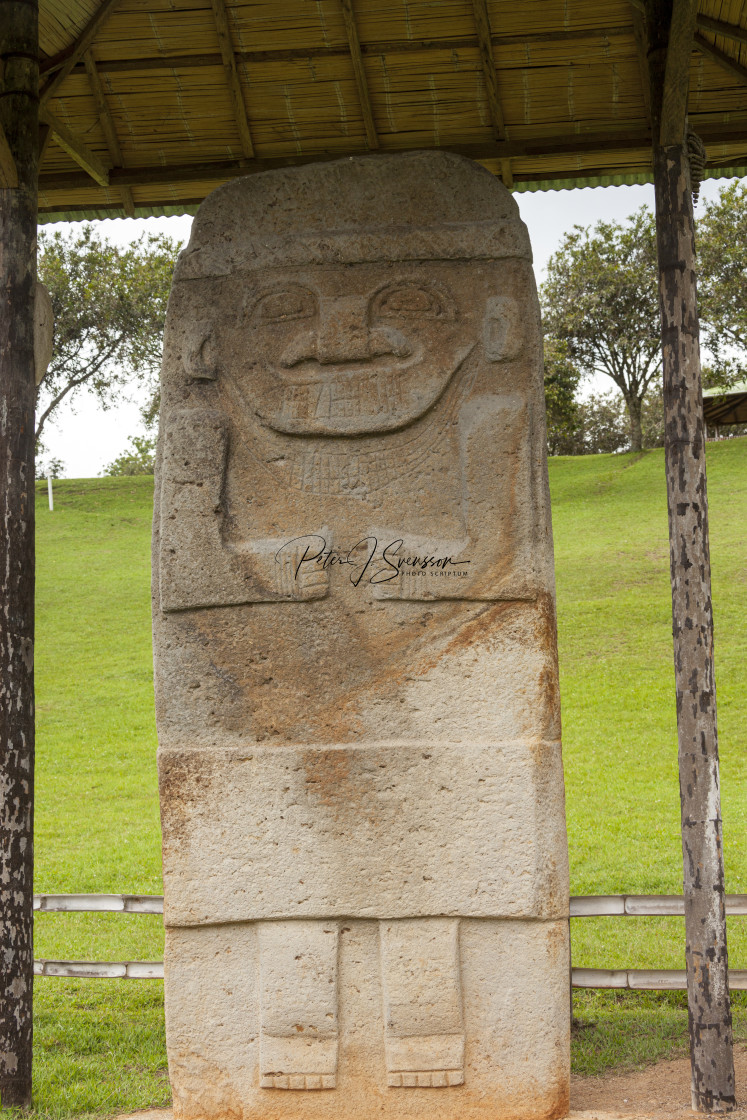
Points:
point(424, 1032)
point(298, 1081)
point(298, 1005)
point(425, 1061)
point(298, 1063)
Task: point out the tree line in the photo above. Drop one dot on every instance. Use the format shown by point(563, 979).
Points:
point(600, 309)
point(109, 309)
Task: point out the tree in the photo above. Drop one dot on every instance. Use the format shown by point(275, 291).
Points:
point(52, 468)
point(138, 458)
point(601, 300)
point(597, 423)
point(109, 307)
point(562, 377)
point(602, 426)
point(722, 284)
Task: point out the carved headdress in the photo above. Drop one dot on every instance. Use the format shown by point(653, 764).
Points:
point(434, 208)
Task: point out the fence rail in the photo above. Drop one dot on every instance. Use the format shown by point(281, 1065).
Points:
point(101, 970)
point(643, 905)
point(634, 979)
point(99, 903)
point(646, 979)
point(581, 906)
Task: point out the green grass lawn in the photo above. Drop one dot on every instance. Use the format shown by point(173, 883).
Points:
point(99, 1044)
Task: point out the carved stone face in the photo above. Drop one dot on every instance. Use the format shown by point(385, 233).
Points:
point(331, 350)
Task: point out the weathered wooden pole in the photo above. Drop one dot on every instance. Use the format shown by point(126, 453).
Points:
point(711, 1047)
point(19, 80)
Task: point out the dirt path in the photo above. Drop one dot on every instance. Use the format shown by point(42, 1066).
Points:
point(661, 1091)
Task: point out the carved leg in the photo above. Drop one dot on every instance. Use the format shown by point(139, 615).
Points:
point(422, 1002)
point(298, 1004)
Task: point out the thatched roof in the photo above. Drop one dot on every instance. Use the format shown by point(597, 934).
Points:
point(153, 103)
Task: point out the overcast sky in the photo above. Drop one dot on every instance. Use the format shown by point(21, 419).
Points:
point(86, 438)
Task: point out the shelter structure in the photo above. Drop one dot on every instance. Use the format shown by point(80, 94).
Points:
point(143, 107)
point(725, 407)
point(147, 106)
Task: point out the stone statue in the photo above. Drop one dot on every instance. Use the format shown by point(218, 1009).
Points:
point(365, 868)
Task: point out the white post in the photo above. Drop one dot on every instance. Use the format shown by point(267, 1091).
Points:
point(49, 488)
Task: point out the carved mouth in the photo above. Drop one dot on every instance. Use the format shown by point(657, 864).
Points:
point(354, 399)
point(340, 402)
point(312, 372)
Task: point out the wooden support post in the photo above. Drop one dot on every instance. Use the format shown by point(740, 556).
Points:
point(19, 50)
point(8, 173)
point(711, 1046)
point(671, 25)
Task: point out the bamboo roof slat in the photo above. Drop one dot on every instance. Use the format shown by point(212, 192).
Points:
point(568, 93)
point(62, 22)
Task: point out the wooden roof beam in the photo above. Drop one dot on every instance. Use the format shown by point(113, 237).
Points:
point(45, 132)
point(673, 120)
point(55, 182)
point(490, 74)
point(368, 50)
point(75, 147)
point(75, 53)
point(109, 128)
point(528, 148)
point(718, 27)
point(725, 61)
point(639, 32)
point(485, 47)
point(228, 56)
point(226, 169)
point(361, 81)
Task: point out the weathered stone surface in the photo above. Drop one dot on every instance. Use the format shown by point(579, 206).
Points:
point(485, 1029)
point(361, 787)
point(399, 828)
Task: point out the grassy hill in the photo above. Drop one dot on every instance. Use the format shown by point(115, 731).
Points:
point(100, 1045)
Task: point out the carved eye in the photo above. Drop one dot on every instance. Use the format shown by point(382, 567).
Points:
point(289, 303)
point(411, 301)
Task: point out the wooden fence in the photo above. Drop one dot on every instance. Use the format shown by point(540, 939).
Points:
point(582, 906)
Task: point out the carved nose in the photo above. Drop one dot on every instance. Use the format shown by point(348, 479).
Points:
point(345, 336)
point(343, 332)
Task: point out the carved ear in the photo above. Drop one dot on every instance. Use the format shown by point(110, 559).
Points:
point(504, 331)
point(201, 351)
